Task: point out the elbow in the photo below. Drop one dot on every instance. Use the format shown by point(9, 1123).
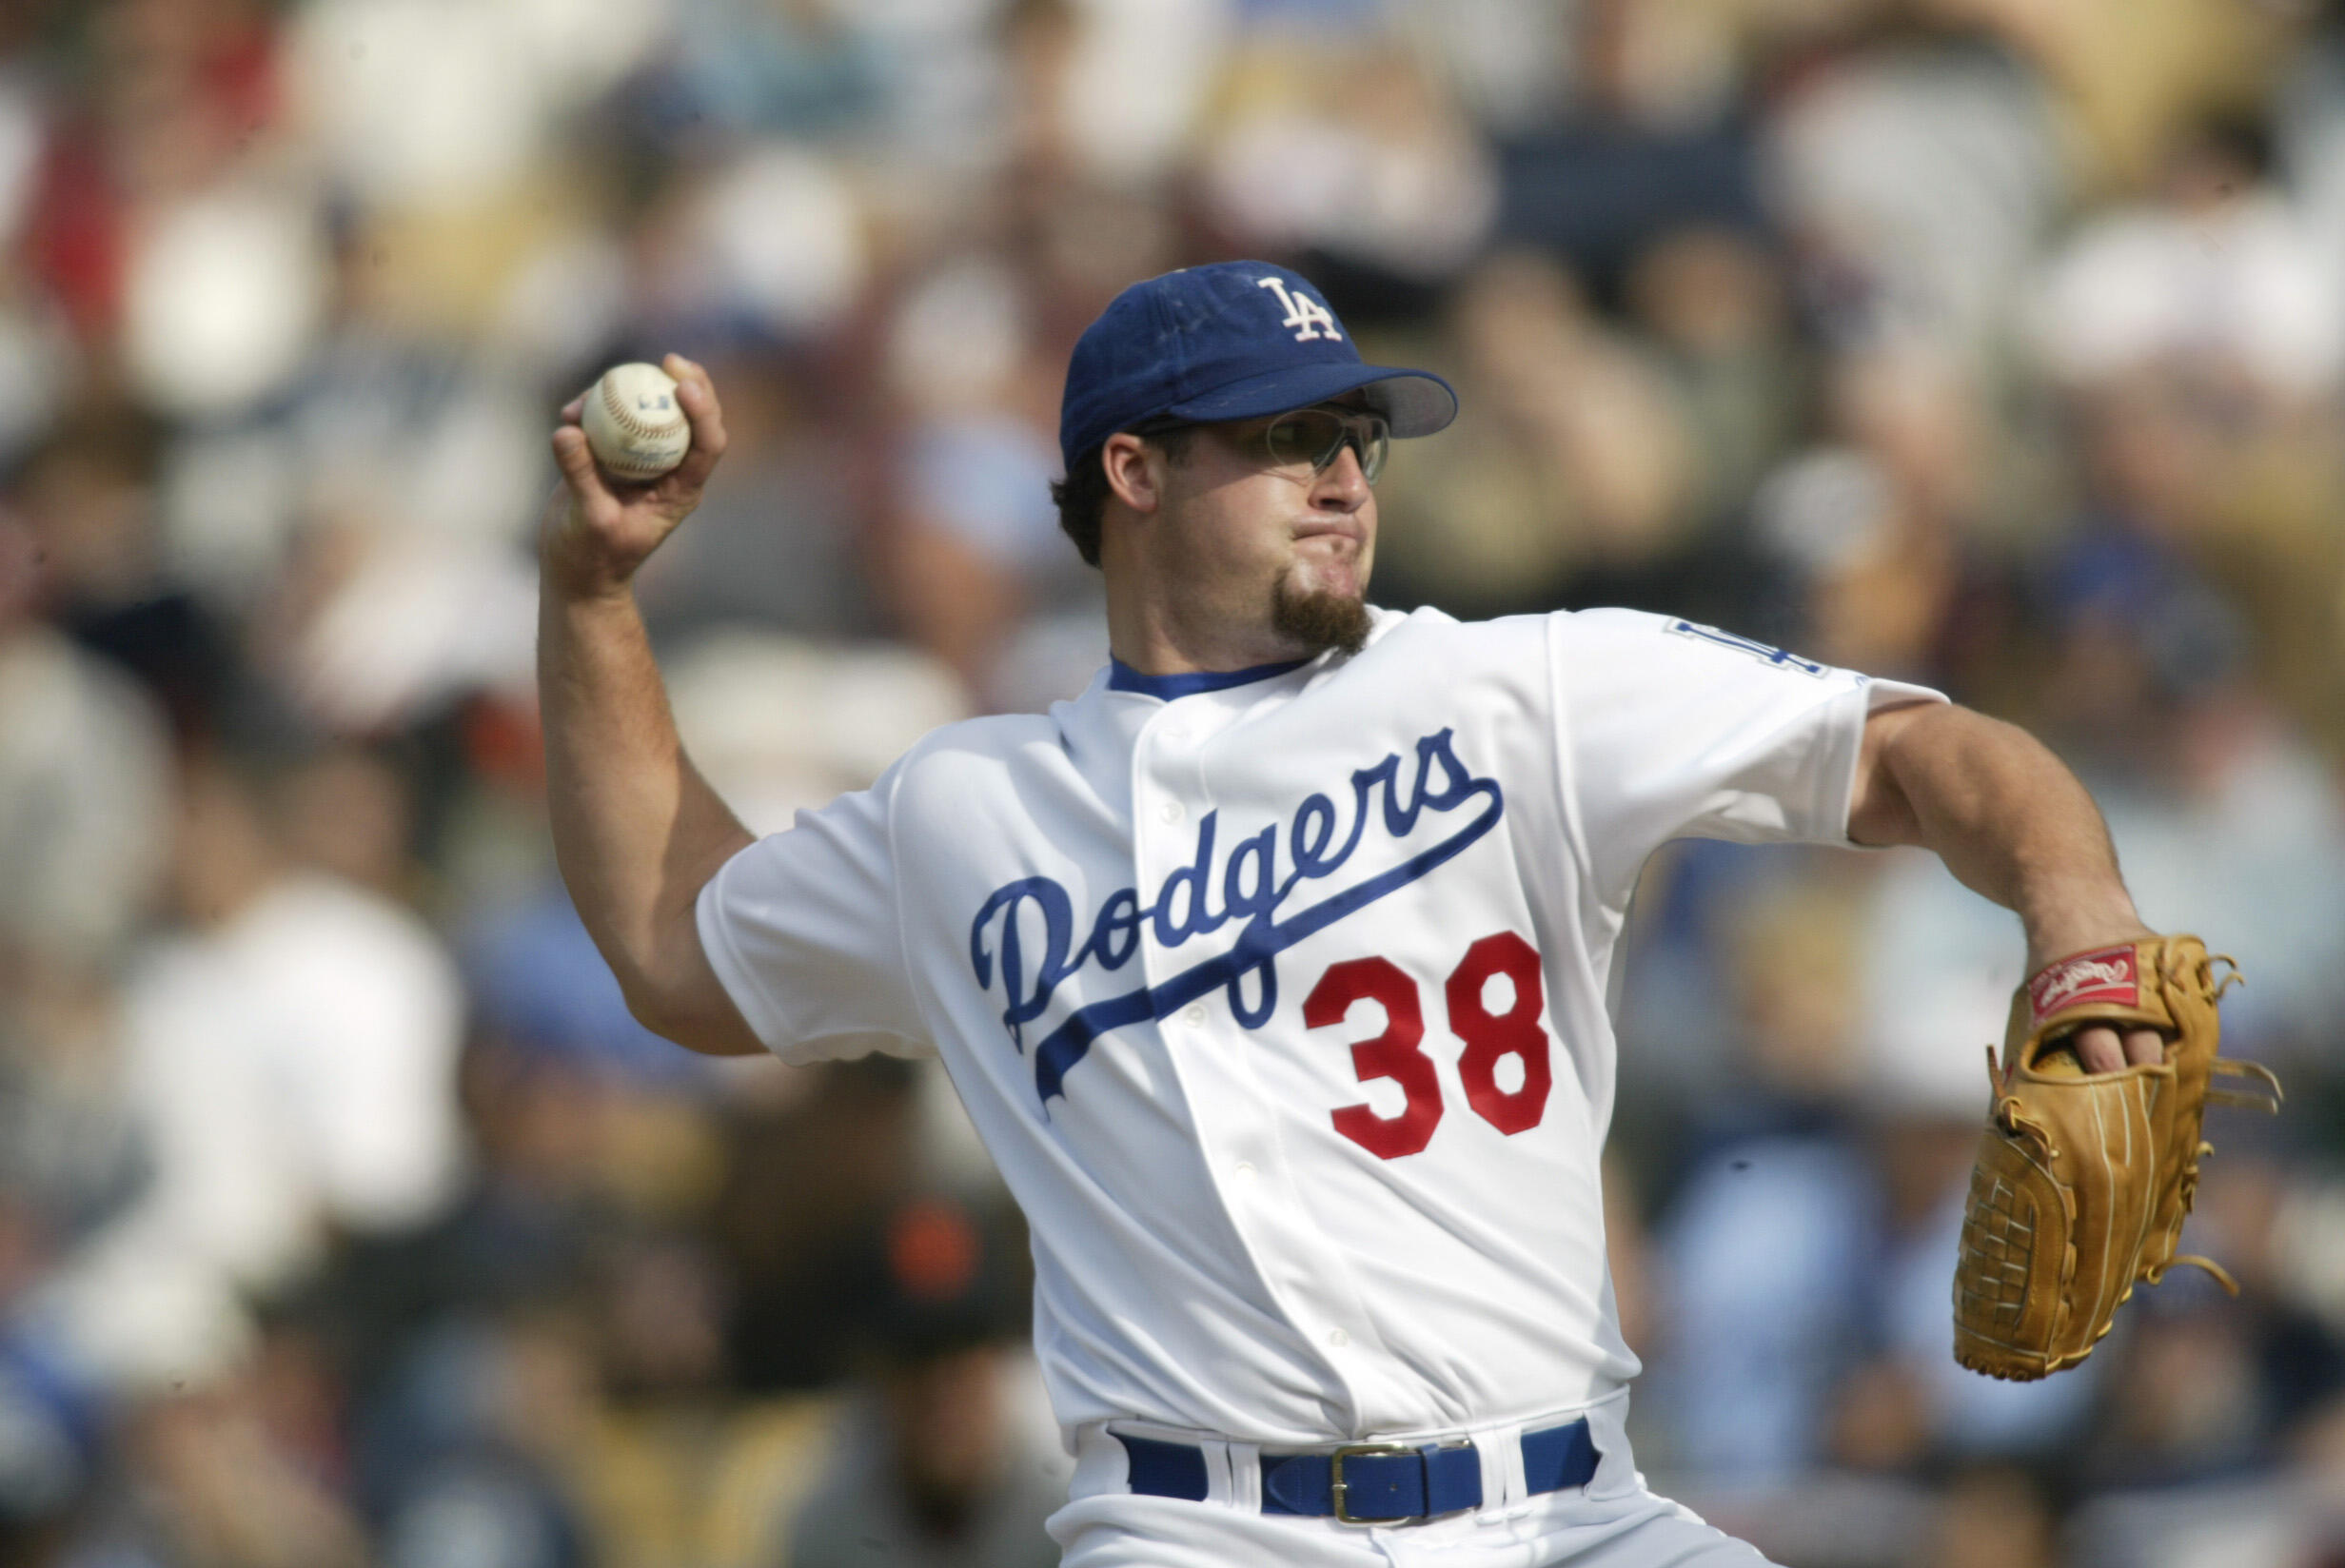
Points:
point(699, 1017)
point(649, 1006)
point(671, 988)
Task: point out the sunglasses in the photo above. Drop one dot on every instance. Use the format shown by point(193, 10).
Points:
point(1318, 436)
point(1312, 438)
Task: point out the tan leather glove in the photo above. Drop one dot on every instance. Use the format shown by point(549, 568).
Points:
point(2083, 1180)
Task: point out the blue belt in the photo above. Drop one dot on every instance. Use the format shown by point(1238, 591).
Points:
point(1370, 1482)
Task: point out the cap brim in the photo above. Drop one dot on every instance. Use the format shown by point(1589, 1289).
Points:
point(1414, 403)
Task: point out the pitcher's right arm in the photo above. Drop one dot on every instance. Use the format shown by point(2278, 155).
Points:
point(638, 832)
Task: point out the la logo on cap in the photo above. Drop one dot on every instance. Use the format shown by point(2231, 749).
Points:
point(1308, 317)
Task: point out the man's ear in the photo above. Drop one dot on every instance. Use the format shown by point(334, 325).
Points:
point(1134, 471)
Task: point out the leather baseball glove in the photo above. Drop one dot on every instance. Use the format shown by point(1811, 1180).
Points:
point(2083, 1180)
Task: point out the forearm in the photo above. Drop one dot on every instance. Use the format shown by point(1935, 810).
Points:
point(636, 831)
point(2008, 819)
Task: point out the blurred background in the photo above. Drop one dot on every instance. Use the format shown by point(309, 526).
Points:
point(345, 1217)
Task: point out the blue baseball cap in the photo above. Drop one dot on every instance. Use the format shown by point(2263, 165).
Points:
point(1232, 341)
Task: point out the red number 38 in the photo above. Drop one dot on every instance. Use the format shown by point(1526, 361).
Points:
point(1398, 1054)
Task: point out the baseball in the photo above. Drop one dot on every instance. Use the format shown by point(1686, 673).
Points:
point(633, 425)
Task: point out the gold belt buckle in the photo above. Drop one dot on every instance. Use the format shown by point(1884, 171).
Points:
point(1360, 1450)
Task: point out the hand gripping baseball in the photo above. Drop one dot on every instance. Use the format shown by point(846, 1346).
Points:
point(598, 531)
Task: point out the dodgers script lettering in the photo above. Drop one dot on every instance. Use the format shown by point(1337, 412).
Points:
point(1250, 883)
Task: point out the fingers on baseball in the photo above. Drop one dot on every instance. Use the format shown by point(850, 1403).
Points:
point(698, 397)
point(600, 499)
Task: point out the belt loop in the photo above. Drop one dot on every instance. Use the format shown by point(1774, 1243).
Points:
point(1101, 1462)
point(1501, 1450)
point(1245, 1477)
point(1217, 1471)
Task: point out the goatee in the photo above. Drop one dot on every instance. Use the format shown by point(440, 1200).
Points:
point(1317, 621)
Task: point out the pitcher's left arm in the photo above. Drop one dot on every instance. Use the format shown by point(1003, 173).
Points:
point(2014, 825)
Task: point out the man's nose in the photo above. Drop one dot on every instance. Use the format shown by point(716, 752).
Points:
point(1343, 483)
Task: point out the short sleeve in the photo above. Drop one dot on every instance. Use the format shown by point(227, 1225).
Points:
point(1669, 729)
point(803, 929)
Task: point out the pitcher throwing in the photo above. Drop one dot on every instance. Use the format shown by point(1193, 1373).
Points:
point(1274, 969)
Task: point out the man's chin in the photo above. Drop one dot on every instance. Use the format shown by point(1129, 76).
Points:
point(1319, 619)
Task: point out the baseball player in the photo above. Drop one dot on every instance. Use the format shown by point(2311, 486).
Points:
point(1274, 969)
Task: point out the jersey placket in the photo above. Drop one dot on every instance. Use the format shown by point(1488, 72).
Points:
point(1236, 1123)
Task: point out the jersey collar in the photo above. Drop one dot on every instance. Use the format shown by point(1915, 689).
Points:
point(1123, 677)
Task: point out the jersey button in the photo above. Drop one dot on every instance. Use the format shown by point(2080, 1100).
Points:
point(1193, 1015)
point(1169, 812)
point(1243, 1171)
point(1337, 1338)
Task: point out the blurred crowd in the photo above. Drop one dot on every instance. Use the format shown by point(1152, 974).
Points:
point(346, 1218)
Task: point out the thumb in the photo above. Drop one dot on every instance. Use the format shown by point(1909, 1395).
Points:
point(589, 492)
point(573, 457)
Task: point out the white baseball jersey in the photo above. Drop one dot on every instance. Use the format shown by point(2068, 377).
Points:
point(1281, 998)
